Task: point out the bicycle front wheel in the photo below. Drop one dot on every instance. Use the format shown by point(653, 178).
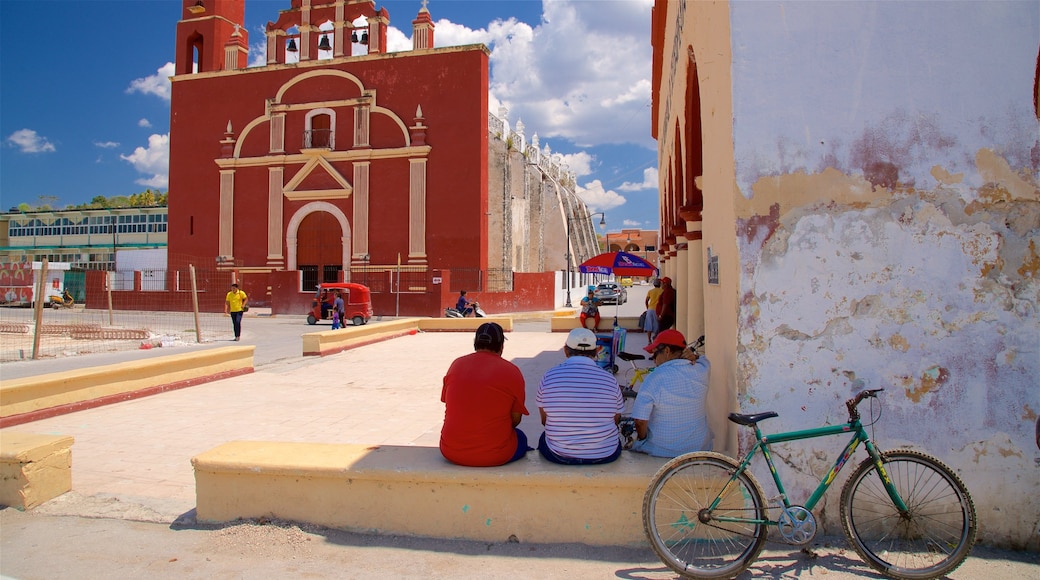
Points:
point(687, 535)
point(935, 535)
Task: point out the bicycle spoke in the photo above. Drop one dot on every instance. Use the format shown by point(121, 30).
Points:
point(934, 535)
point(672, 510)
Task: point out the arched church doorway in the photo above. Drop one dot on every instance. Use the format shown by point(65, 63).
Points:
point(319, 249)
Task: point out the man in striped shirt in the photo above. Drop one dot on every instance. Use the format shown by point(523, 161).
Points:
point(580, 404)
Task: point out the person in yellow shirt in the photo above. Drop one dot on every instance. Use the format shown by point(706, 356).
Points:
point(650, 319)
point(235, 303)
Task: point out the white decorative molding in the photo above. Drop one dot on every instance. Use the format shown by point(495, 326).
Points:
point(361, 125)
point(277, 134)
point(417, 211)
point(316, 162)
point(274, 213)
point(226, 227)
point(361, 209)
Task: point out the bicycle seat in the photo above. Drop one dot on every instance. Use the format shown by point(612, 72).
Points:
point(748, 420)
point(629, 356)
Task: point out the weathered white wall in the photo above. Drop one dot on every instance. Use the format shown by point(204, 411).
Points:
point(889, 232)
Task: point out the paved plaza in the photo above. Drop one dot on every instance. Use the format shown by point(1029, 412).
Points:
point(130, 513)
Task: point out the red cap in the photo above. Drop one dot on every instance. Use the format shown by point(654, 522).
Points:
point(667, 338)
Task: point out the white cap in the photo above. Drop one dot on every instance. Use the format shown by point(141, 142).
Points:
point(581, 339)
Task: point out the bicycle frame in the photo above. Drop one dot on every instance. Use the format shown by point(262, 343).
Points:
point(762, 442)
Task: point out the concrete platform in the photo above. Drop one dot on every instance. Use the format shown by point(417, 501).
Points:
point(34, 468)
point(412, 490)
point(28, 399)
point(136, 455)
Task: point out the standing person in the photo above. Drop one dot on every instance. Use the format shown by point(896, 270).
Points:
point(235, 303)
point(339, 306)
point(670, 412)
point(590, 308)
point(580, 405)
point(653, 296)
point(483, 396)
point(464, 305)
point(666, 305)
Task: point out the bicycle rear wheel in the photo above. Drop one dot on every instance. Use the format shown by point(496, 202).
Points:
point(932, 539)
point(685, 535)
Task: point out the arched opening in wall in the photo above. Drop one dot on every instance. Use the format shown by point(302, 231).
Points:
point(681, 163)
point(319, 249)
point(694, 141)
point(319, 131)
point(670, 208)
point(359, 39)
point(326, 40)
point(292, 45)
point(194, 48)
point(1036, 86)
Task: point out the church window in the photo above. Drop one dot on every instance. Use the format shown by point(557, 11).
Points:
point(320, 132)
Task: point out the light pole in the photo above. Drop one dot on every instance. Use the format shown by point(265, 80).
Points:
point(602, 223)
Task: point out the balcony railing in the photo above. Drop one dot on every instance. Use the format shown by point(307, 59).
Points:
point(319, 139)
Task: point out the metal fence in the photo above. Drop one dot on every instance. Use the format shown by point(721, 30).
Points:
point(78, 330)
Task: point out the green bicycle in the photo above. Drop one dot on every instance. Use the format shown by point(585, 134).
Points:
point(905, 513)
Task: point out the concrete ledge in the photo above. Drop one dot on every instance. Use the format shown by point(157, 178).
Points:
point(565, 323)
point(33, 398)
point(326, 342)
point(34, 468)
point(463, 324)
point(414, 491)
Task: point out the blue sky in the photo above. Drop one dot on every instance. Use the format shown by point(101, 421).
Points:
point(84, 100)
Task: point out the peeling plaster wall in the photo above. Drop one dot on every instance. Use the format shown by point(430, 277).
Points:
point(888, 225)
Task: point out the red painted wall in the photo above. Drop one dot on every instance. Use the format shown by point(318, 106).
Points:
point(449, 85)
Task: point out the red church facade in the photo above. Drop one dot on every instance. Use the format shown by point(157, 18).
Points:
point(346, 168)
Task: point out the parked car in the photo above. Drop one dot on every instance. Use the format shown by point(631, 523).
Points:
point(626, 282)
point(611, 293)
point(357, 303)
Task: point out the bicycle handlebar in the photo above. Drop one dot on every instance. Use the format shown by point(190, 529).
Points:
point(854, 402)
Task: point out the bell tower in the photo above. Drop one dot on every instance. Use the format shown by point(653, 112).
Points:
point(211, 36)
point(422, 29)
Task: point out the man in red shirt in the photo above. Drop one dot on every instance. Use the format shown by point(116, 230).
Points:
point(666, 305)
point(483, 398)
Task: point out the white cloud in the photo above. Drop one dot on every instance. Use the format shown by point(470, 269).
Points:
point(579, 163)
point(597, 198)
point(582, 74)
point(144, 123)
point(650, 181)
point(106, 144)
point(28, 141)
point(157, 84)
point(154, 160)
point(631, 224)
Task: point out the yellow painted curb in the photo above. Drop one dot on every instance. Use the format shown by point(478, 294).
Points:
point(39, 393)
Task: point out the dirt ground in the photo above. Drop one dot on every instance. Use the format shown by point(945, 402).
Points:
point(39, 545)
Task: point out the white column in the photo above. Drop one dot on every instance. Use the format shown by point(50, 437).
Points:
point(682, 289)
point(695, 283)
point(417, 211)
point(274, 214)
point(226, 223)
point(361, 206)
point(361, 115)
point(278, 133)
